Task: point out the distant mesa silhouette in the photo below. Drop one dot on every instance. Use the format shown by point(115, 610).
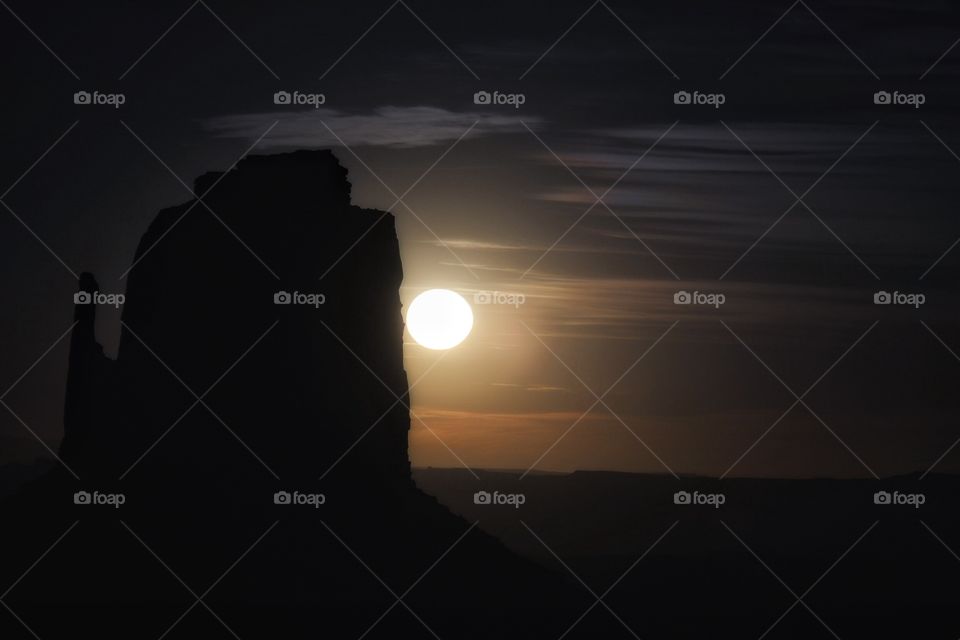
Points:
point(222, 403)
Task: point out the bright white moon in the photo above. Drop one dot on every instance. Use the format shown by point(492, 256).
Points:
point(439, 319)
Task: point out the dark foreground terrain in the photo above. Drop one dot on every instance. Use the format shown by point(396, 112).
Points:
point(778, 559)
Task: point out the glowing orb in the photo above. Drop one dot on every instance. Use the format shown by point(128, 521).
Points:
point(439, 319)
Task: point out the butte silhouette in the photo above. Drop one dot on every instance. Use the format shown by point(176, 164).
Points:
point(220, 399)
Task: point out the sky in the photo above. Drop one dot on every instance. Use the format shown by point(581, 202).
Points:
point(570, 215)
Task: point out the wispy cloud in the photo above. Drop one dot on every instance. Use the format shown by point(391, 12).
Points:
point(397, 127)
point(540, 388)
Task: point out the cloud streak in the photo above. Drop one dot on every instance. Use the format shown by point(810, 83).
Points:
point(392, 127)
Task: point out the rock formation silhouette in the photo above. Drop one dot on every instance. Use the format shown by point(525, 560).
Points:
point(197, 299)
point(234, 386)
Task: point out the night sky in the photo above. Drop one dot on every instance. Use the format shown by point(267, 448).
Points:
point(593, 203)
